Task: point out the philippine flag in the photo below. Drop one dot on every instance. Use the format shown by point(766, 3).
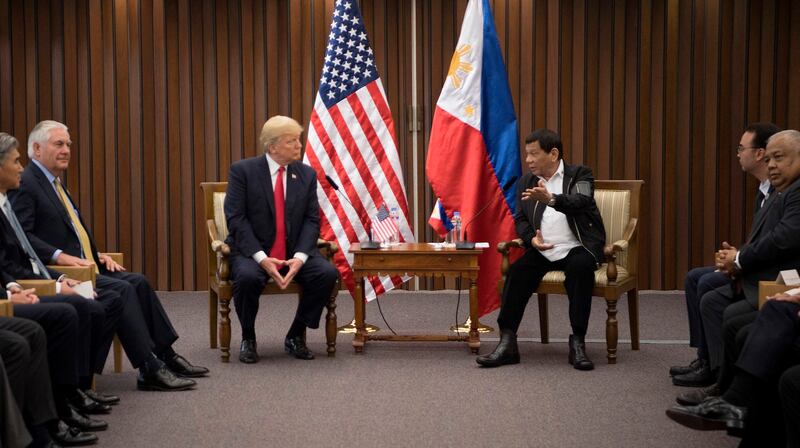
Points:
point(474, 149)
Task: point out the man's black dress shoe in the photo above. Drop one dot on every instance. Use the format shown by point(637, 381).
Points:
point(683, 370)
point(505, 353)
point(181, 367)
point(710, 415)
point(164, 380)
point(248, 353)
point(697, 396)
point(296, 346)
point(82, 422)
point(86, 405)
point(703, 376)
point(65, 435)
point(577, 353)
point(101, 398)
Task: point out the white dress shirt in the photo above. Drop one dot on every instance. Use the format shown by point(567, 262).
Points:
point(555, 228)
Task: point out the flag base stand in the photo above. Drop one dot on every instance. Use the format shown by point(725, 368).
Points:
point(351, 328)
point(464, 328)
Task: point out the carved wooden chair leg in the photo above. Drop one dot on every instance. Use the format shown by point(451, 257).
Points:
point(212, 318)
point(544, 325)
point(117, 355)
point(225, 329)
point(611, 330)
point(633, 315)
point(330, 324)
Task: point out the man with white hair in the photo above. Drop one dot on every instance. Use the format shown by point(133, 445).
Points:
point(59, 235)
point(273, 221)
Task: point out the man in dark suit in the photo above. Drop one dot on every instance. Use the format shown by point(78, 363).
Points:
point(751, 152)
point(273, 221)
point(561, 227)
point(57, 233)
point(18, 260)
point(34, 351)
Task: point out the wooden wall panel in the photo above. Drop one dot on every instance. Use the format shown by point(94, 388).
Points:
point(161, 95)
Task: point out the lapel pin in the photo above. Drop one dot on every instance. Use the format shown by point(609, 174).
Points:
point(294, 176)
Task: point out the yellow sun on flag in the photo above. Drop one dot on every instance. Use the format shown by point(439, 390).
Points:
point(469, 110)
point(457, 64)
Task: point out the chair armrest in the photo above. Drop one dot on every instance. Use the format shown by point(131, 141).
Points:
point(504, 247)
point(221, 250)
point(611, 251)
point(118, 257)
point(81, 273)
point(6, 308)
point(43, 287)
point(328, 248)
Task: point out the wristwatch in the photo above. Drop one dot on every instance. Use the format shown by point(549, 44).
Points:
point(552, 201)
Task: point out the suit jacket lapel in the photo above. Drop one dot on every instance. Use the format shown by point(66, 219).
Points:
point(758, 221)
point(263, 167)
point(291, 192)
point(50, 192)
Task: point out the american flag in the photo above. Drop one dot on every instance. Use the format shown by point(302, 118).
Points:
point(351, 139)
point(383, 226)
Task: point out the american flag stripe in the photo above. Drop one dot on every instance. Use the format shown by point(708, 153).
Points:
point(351, 139)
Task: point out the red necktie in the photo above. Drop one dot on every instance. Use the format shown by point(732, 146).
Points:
point(279, 246)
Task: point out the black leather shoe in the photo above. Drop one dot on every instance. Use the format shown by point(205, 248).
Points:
point(296, 347)
point(181, 367)
point(577, 353)
point(163, 380)
point(697, 396)
point(76, 419)
point(683, 370)
point(248, 352)
point(710, 415)
point(702, 377)
point(505, 353)
point(86, 405)
point(102, 398)
point(66, 435)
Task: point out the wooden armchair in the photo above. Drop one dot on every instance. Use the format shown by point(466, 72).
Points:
point(220, 288)
point(619, 202)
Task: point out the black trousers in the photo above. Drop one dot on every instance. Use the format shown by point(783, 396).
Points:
point(734, 334)
point(13, 432)
point(716, 307)
point(789, 388)
point(103, 331)
point(698, 282)
point(525, 275)
point(144, 327)
point(61, 325)
point(317, 277)
point(23, 347)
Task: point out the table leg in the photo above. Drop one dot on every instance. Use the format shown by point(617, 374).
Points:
point(359, 309)
point(474, 336)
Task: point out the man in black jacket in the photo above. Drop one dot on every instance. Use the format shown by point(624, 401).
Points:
point(562, 230)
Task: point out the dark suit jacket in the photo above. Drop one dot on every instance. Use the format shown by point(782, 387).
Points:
point(45, 219)
point(14, 262)
point(774, 241)
point(250, 208)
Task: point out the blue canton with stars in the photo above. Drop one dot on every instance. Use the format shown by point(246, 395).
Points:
point(349, 61)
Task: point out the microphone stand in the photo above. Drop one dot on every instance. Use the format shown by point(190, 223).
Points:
point(351, 327)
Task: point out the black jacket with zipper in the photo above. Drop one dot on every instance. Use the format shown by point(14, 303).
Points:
point(577, 202)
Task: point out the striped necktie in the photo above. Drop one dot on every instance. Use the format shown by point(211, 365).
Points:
point(38, 266)
point(83, 236)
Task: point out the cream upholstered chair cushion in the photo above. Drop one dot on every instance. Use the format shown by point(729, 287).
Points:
point(615, 209)
point(219, 215)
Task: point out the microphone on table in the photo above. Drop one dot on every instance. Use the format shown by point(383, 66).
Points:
point(367, 245)
point(468, 245)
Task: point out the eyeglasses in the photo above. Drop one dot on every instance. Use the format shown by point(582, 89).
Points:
point(741, 148)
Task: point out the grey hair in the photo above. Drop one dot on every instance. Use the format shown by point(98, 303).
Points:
point(41, 133)
point(8, 143)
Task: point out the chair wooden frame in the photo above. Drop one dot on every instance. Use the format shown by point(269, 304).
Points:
point(220, 287)
point(613, 290)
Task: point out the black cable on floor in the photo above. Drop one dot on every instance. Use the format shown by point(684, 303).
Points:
point(458, 305)
point(378, 301)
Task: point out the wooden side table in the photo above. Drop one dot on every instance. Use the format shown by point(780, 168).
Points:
point(420, 259)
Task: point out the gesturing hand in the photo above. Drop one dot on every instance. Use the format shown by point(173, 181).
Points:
point(538, 242)
point(538, 193)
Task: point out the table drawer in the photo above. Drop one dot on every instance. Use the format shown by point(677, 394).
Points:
point(415, 261)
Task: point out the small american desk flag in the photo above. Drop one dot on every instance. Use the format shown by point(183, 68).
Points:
point(383, 226)
point(351, 139)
